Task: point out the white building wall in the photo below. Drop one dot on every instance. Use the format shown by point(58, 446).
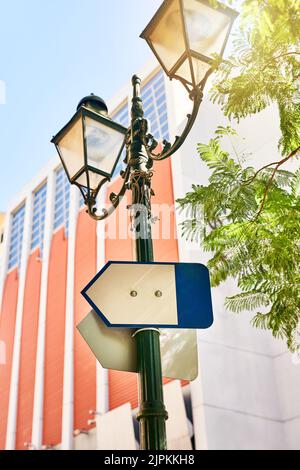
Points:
point(38, 404)
point(102, 380)
point(68, 386)
point(287, 369)
point(246, 396)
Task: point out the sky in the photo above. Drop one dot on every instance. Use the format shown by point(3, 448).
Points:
point(52, 53)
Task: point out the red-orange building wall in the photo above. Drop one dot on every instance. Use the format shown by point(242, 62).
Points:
point(165, 246)
point(55, 336)
point(119, 247)
point(28, 350)
point(84, 360)
point(122, 386)
point(7, 332)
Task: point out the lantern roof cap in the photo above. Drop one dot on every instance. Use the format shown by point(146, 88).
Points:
point(95, 102)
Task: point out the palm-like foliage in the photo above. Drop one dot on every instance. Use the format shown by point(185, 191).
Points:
point(264, 66)
point(250, 220)
point(262, 252)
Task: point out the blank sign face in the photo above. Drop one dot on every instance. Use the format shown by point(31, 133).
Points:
point(161, 295)
point(135, 294)
point(115, 348)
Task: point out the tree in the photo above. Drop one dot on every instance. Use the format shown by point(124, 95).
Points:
point(252, 217)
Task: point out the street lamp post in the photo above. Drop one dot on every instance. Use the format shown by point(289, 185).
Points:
point(184, 35)
point(152, 414)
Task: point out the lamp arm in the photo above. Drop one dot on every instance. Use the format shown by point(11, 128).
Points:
point(169, 149)
point(196, 95)
point(114, 198)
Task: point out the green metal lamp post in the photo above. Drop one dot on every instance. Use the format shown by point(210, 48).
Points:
point(152, 414)
point(183, 34)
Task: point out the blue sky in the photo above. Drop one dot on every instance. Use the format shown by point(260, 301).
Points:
point(52, 53)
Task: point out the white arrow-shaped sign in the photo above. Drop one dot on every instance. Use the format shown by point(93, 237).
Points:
point(169, 295)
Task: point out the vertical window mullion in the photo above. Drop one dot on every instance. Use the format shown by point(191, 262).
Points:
point(16, 238)
point(37, 226)
point(151, 90)
point(62, 194)
point(122, 117)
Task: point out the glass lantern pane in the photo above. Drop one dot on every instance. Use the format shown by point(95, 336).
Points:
point(200, 69)
point(71, 148)
point(184, 71)
point(167, 37)
point(94, 180)
point(103, 145)
point(206, 27)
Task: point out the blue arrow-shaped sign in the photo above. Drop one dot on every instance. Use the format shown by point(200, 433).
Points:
point(164, 295)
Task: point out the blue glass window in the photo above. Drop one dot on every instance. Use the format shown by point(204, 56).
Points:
point(121, 117)
point(16, 238)
point(155, 106)
point(38, 217)
point(163, 118)
point(62, 200)
point(81, 201)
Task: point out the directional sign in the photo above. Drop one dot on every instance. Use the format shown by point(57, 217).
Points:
point(165, 295)
point(115, 348)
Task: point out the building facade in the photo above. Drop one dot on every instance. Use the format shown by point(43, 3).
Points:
point(51, 388)
point(2, 223)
